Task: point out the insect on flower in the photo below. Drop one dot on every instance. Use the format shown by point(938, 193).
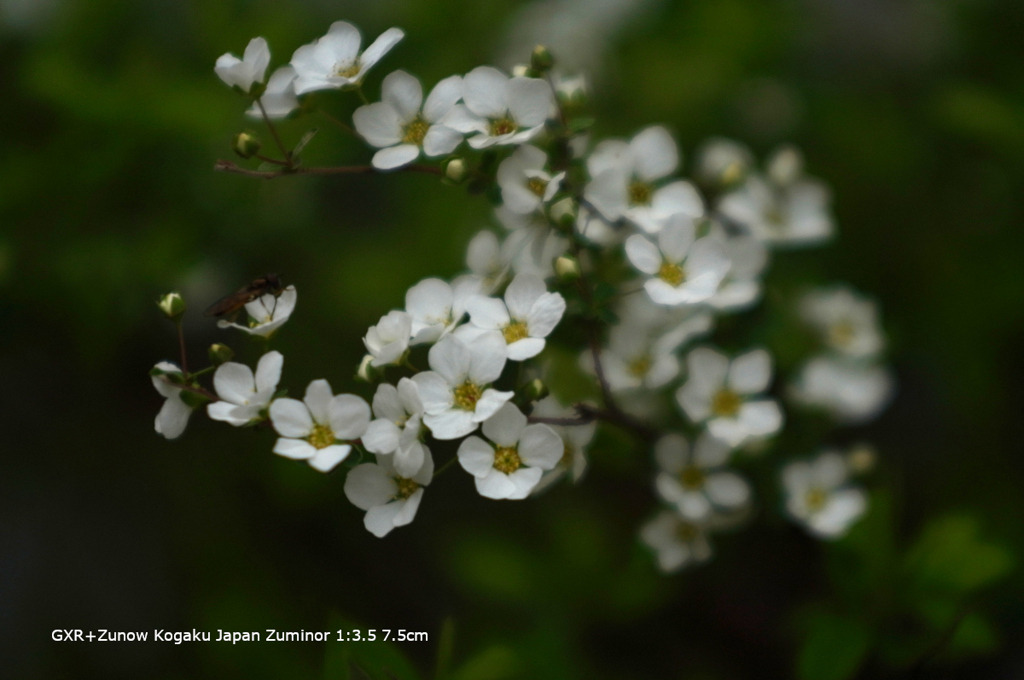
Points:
point(230, 304)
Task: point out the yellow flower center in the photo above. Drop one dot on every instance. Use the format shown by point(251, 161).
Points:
point(640, 366)
point(321, 437)
point(406, 488)
point(672, 274)
point(726, 403)
point(815, 499)
point(506, 459)
point(691, 477)
point(568, 453)
point(517, 330)
point(841, 334)
point(775, 216)
point(686, 532)
point(416, 131)
point(347, 71)
point(466, 396)
point(640, 193)
point(503, 126)
point(537, 186)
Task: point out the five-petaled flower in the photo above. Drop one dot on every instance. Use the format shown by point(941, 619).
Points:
point(524, 319)
point(390, 498)
point(525, 184)
point(173, 415)
point(499, 109)
point(696, 481)
point(512, 463)
point(248, 71)
point(243, 395)
point(399, 413)
point(320, 428)
point(334, 61)
point(388, 341)
point(819, 495)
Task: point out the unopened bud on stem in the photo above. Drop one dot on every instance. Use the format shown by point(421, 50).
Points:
point(541, 60)
point(247, 144)
point(567, 268)
point(366, 372)
point(455, 170)
point(220, 354)
point(172, 305)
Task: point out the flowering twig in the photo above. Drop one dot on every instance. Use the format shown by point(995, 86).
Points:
point(588, 414)
point(228, 166)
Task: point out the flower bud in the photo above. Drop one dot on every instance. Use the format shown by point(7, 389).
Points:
point(366, 372)
point(172, 305)
point(861, 459)
point(247, 144)
point(541, 60)
point(455, 170)
point(520, 71)
point(220, 354)
point(193, 399)
point(567, 268)
point(563, 213)
point(535, 390)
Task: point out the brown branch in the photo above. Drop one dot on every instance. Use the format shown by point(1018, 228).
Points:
point(228, 166)
point(589, 414)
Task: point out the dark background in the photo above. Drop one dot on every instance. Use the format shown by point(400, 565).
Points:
point(111, 121)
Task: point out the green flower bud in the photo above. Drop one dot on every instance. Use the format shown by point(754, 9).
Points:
point(541, 60)
point(455, 170)
point(567, 268)
point(366, 372)
point(220, 354)
point(172, 305)
point(247, 144)
point(535, 390)
point(861, 459)
point(563, 213)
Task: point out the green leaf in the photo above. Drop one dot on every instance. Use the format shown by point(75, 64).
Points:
point(834, 648)
point(306, 139)
point(949, 557)
point(445, 649)
point(494, 663)
point(377, 660)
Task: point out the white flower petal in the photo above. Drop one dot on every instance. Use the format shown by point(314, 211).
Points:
point(403, 93)
point(268, 371)
point(326, 459)
point(441, 140)
point(643, 254)
point(291, 418)
point(296, 449)
point(381, 436)
point(435, 392)
point(495, 485)
point(442, 98)
point(483, 90)
point(505, 426)
point(368, 486)
point(540, 447)
point(234, 382)
point(173, 417)
point(524, 479)
point(524, 349)
point(654, 152)
point(529, 101)
point(476, 456)
point(750, 373)
point(489, 403)
point(378, 124)
point(761, 417)
point(488, 313)
point(395, 156)
point(379, 47)
point(450, 424)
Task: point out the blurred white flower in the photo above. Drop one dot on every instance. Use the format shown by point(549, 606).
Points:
point(320, 428)
point(390, 498)
point(819, 496)
point(783, 208)
point(499, 109)
point(677, 542)
point(626, 181)
point(436, 307)
point(244, 395)
point(722, 162)
point(456, 392)
point(682, 270)
point(249, 70)
point(696, 482)
point(525, 184)
point(726, 395)
point(489, 259)
point(575, 439)
point(741, 287)
point(388, 341)
point(846, 321)
point(279, 99)
point(334, 61)
point(396, 430)
point(525, 318)
point(267, 313)
point(402, 126)
point(851, 391)
point(173, 415)
point(512, 463)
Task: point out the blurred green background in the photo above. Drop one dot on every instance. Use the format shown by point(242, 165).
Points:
point(112, 119)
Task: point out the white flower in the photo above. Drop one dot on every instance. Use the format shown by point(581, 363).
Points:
point(388, 341)
point(677, 542)
point(319, 428)
point(851, 391)
point(389, 498)
point(267, 313)
point(782, 208)
point(819, 497)
point(436, 307)
point(725, 394)
point(525, 185)
point(596, 228)
point(244, 395)
point(625, 176)
point(511, 466)
point(334, 61)
point(847, 322)
point(722, 162)
point(249, 70)
point(279, 99)
point(173, 416)
point(695, 481)
point(636, 358)
point(456, 392)
point(575, 439)
point(741, 287)
point(396, 430)
point(402, 126)
point(527, 316)
point(489, 259)
point(501, 110)
point(682, 270)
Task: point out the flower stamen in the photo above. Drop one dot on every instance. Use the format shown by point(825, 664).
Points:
point(466, 396)
point(321, 437)
point(506, 459)
point(517, 330)
point(672, 274)
point(416, 131)
point(726, 403)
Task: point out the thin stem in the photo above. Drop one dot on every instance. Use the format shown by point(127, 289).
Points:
point(267, 159)
point(589, 414)
point(273, 131)
point(339, 122)
point(362, 95)
point(444, 467)
point(228, 166)
point(181, 348)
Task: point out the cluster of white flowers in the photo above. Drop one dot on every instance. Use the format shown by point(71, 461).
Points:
point(607, 235)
